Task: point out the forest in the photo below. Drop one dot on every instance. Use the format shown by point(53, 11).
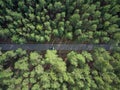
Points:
point(60, 21)
point(96, 70)
point(41, 21)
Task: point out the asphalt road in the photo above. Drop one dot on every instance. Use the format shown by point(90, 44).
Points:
point(41, 47)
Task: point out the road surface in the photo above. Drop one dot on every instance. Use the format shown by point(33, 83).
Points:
point(40, 47)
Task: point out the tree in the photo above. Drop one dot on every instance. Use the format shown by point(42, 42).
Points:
point(78, 32)
point(4, 33)
point(8, 18)
point(55, 32)
point(15, 38)
point(74, 19)
point(115, 9)
point(47, 38)
point(117, 36)
point(97, 14)
point(87, 56)
point(39, 27)
point(78, 25)
point(32, 17)
point(42, 3)
point(22, 40)
point(105, 39)
point(82, 38)
point(35, 58)
point(102, 62)
point(93, 27)
point(22, 62)
point(85, 15)
point(69, 35)
point(58, 6)
point(51, 58)
point(77, 60)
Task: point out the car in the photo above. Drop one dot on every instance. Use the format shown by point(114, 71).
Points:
point(52, 48)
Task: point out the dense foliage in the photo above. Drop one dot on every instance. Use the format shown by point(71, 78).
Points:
point(86, 21)
point(43, 21)
point(97, 70)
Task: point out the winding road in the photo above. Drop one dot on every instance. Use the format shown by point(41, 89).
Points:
point(41, 47)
